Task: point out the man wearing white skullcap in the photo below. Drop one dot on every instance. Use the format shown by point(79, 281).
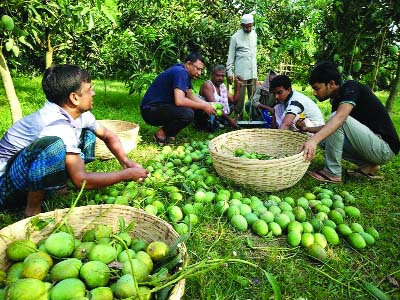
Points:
point(242, 60)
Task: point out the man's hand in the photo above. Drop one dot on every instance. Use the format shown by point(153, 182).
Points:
point(230, 79)
point(309, 149)
point(137, 174)
point(131, 164)
point(301, 125)
point(233, 123)
point(208, 108)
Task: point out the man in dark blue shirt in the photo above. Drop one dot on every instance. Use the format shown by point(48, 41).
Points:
point(170, 103)
point(360, 129)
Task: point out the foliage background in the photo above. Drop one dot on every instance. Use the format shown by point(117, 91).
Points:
point(135, 40)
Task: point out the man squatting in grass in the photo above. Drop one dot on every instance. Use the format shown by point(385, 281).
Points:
point(293, 106)
point(169, 102)
point(213, 91)
point(40, 151)
point(359, 130)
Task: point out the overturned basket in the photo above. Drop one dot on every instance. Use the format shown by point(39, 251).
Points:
point(147, 226)
point(284, 171)
point(126, 131)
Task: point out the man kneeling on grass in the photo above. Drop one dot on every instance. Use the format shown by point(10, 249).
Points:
point(360, 129)
point(39, 152)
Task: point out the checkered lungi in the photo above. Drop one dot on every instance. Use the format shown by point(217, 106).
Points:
point(40, 166)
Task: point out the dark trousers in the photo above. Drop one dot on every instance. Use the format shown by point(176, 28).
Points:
point(172, 118)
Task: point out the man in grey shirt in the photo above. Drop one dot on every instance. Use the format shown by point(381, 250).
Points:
point(242, 60)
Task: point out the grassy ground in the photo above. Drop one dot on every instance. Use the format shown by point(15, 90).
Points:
point(340, 277)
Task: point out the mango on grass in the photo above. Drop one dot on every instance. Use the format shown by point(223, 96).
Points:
point(260, 227)
point(307, 239)
point(294, 238)
point(372, 231)
point(330, 235)
point(239, 222)
point(369, 239)
point(352, 212)
point(317, 251)
point(320, 239)
point(275, 229)
point(344, 229)
point(356, 240)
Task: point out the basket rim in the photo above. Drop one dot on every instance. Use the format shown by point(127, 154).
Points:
point(259, 161)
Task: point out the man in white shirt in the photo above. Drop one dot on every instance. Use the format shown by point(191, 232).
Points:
point(293, 105)
point(242, 60)
point(39, 152)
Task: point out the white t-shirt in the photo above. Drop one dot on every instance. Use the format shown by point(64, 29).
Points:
point(300, 103)
point(50, 120)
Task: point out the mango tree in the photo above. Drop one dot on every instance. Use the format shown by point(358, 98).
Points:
point(358, 36)
point(57, 25)
point(11, 37)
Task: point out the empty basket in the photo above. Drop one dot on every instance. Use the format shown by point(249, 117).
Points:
point(126, 131)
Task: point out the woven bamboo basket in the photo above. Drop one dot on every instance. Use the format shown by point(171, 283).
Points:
point(126, 131)
point(147, 226)
point(284, 171)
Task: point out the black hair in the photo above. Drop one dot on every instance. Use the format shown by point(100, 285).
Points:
point(61, 80)
point(324, 73)
point(280, 80)
point(194, 56)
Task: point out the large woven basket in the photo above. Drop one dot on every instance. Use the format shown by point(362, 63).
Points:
point(147, 226)
point(126, 131)
point(284, 171)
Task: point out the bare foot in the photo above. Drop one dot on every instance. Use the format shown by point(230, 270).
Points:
point(160, 134)
point(371, 169)
point(34, 203)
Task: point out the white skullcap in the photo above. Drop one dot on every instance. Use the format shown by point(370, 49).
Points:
point(247, 19)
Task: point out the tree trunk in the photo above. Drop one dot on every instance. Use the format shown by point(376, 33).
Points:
point(394, 91)
point(49, 58)
point(49, 51)
point(15, 106)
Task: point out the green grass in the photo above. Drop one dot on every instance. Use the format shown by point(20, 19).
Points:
point(299, 276)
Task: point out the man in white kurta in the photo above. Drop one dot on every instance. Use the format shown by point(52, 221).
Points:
point(242, 60)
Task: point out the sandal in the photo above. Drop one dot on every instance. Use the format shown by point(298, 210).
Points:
point(323, 177)
point(160, 141)
point(361, 173)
